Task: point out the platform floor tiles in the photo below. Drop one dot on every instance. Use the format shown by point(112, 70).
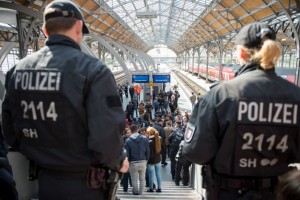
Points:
point(169, 190)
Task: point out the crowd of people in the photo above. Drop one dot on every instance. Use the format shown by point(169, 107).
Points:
point(147, 149)
point(153, 133)
point(143, 112)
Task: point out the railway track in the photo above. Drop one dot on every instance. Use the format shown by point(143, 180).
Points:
point(120, 78)
point(190, 84)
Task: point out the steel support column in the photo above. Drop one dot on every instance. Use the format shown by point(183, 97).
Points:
point(193, 61)
point(126, 53)
point(86, 49)
point(136, 54)
point(4, 51)
point(297, 38)
point(20, 36)
point(113, 52)
point(199, 60)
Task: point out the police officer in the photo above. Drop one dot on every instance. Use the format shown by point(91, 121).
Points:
point(120, 89)
point(125, 87)
point(57, 108)
point(247, 129)
point(182, 167)
point(174, 139)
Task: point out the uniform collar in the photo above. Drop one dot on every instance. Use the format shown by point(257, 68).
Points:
point(62, 40)
point(246, 68)
point(251, 67)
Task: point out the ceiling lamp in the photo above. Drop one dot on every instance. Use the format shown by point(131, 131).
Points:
point(149, 14)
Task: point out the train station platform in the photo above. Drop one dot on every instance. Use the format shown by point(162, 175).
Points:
point(184, 103)
point(169, 189)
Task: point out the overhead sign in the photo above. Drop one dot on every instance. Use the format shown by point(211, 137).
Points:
point(161, 78)
point(140, 78)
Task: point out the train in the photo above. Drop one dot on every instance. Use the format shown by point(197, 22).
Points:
point(229, 70)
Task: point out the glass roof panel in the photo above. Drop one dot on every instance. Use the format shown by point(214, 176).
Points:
point(169, 19)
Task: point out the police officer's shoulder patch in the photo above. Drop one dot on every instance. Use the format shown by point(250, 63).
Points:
point(113, 101)
point(189, 132)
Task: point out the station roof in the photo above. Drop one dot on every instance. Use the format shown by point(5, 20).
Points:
point(180, 24)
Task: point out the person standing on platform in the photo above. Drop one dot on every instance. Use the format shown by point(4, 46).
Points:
point(126, 176)
point(168, 131)
point(153, 166)
point(137, 91)
point(172, 104)
point(159, 126)
point(130, 109)
point(135, 104)
point(120, 90)
point(156, 105)
point(149, 108)
point(174, 139)
point(177, 95)
point(182, 167)
point(193, 100)
point(131, 92)
point(246, 130)
point(53, 112)
point(141, 109)
point(138, 151)
point(125, 88)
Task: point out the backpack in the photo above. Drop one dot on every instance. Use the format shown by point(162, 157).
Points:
point(177, 137)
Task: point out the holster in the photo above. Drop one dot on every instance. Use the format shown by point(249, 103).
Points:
point(209, 182)
point(96, 178)
point(33, 171)
point(104, 179)
point(113, 184)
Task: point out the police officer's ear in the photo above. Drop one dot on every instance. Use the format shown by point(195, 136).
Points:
point(45, 31)
point(242, 54)
point(78, 27)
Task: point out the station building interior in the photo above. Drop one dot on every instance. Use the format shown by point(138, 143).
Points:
point(132, 37)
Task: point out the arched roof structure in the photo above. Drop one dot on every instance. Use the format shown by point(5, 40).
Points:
point(178, 24)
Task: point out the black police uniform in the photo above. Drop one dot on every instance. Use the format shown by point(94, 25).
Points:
point(57, 110)
point(182, 166)
point(174, 140)
point(247, 130)
point(162, 134)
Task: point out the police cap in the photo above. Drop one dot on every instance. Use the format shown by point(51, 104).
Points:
point(64, 8)
point(251, 35)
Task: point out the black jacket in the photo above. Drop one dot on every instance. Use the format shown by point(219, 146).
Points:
point(248, 126)
point(154, 157)
point(160, 130)
point(57, 108)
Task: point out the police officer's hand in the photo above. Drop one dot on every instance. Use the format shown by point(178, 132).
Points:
point(125, 166)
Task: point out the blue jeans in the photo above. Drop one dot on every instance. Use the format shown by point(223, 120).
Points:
point(154, 169)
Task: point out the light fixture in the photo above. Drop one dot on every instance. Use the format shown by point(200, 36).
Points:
point(149, 14)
